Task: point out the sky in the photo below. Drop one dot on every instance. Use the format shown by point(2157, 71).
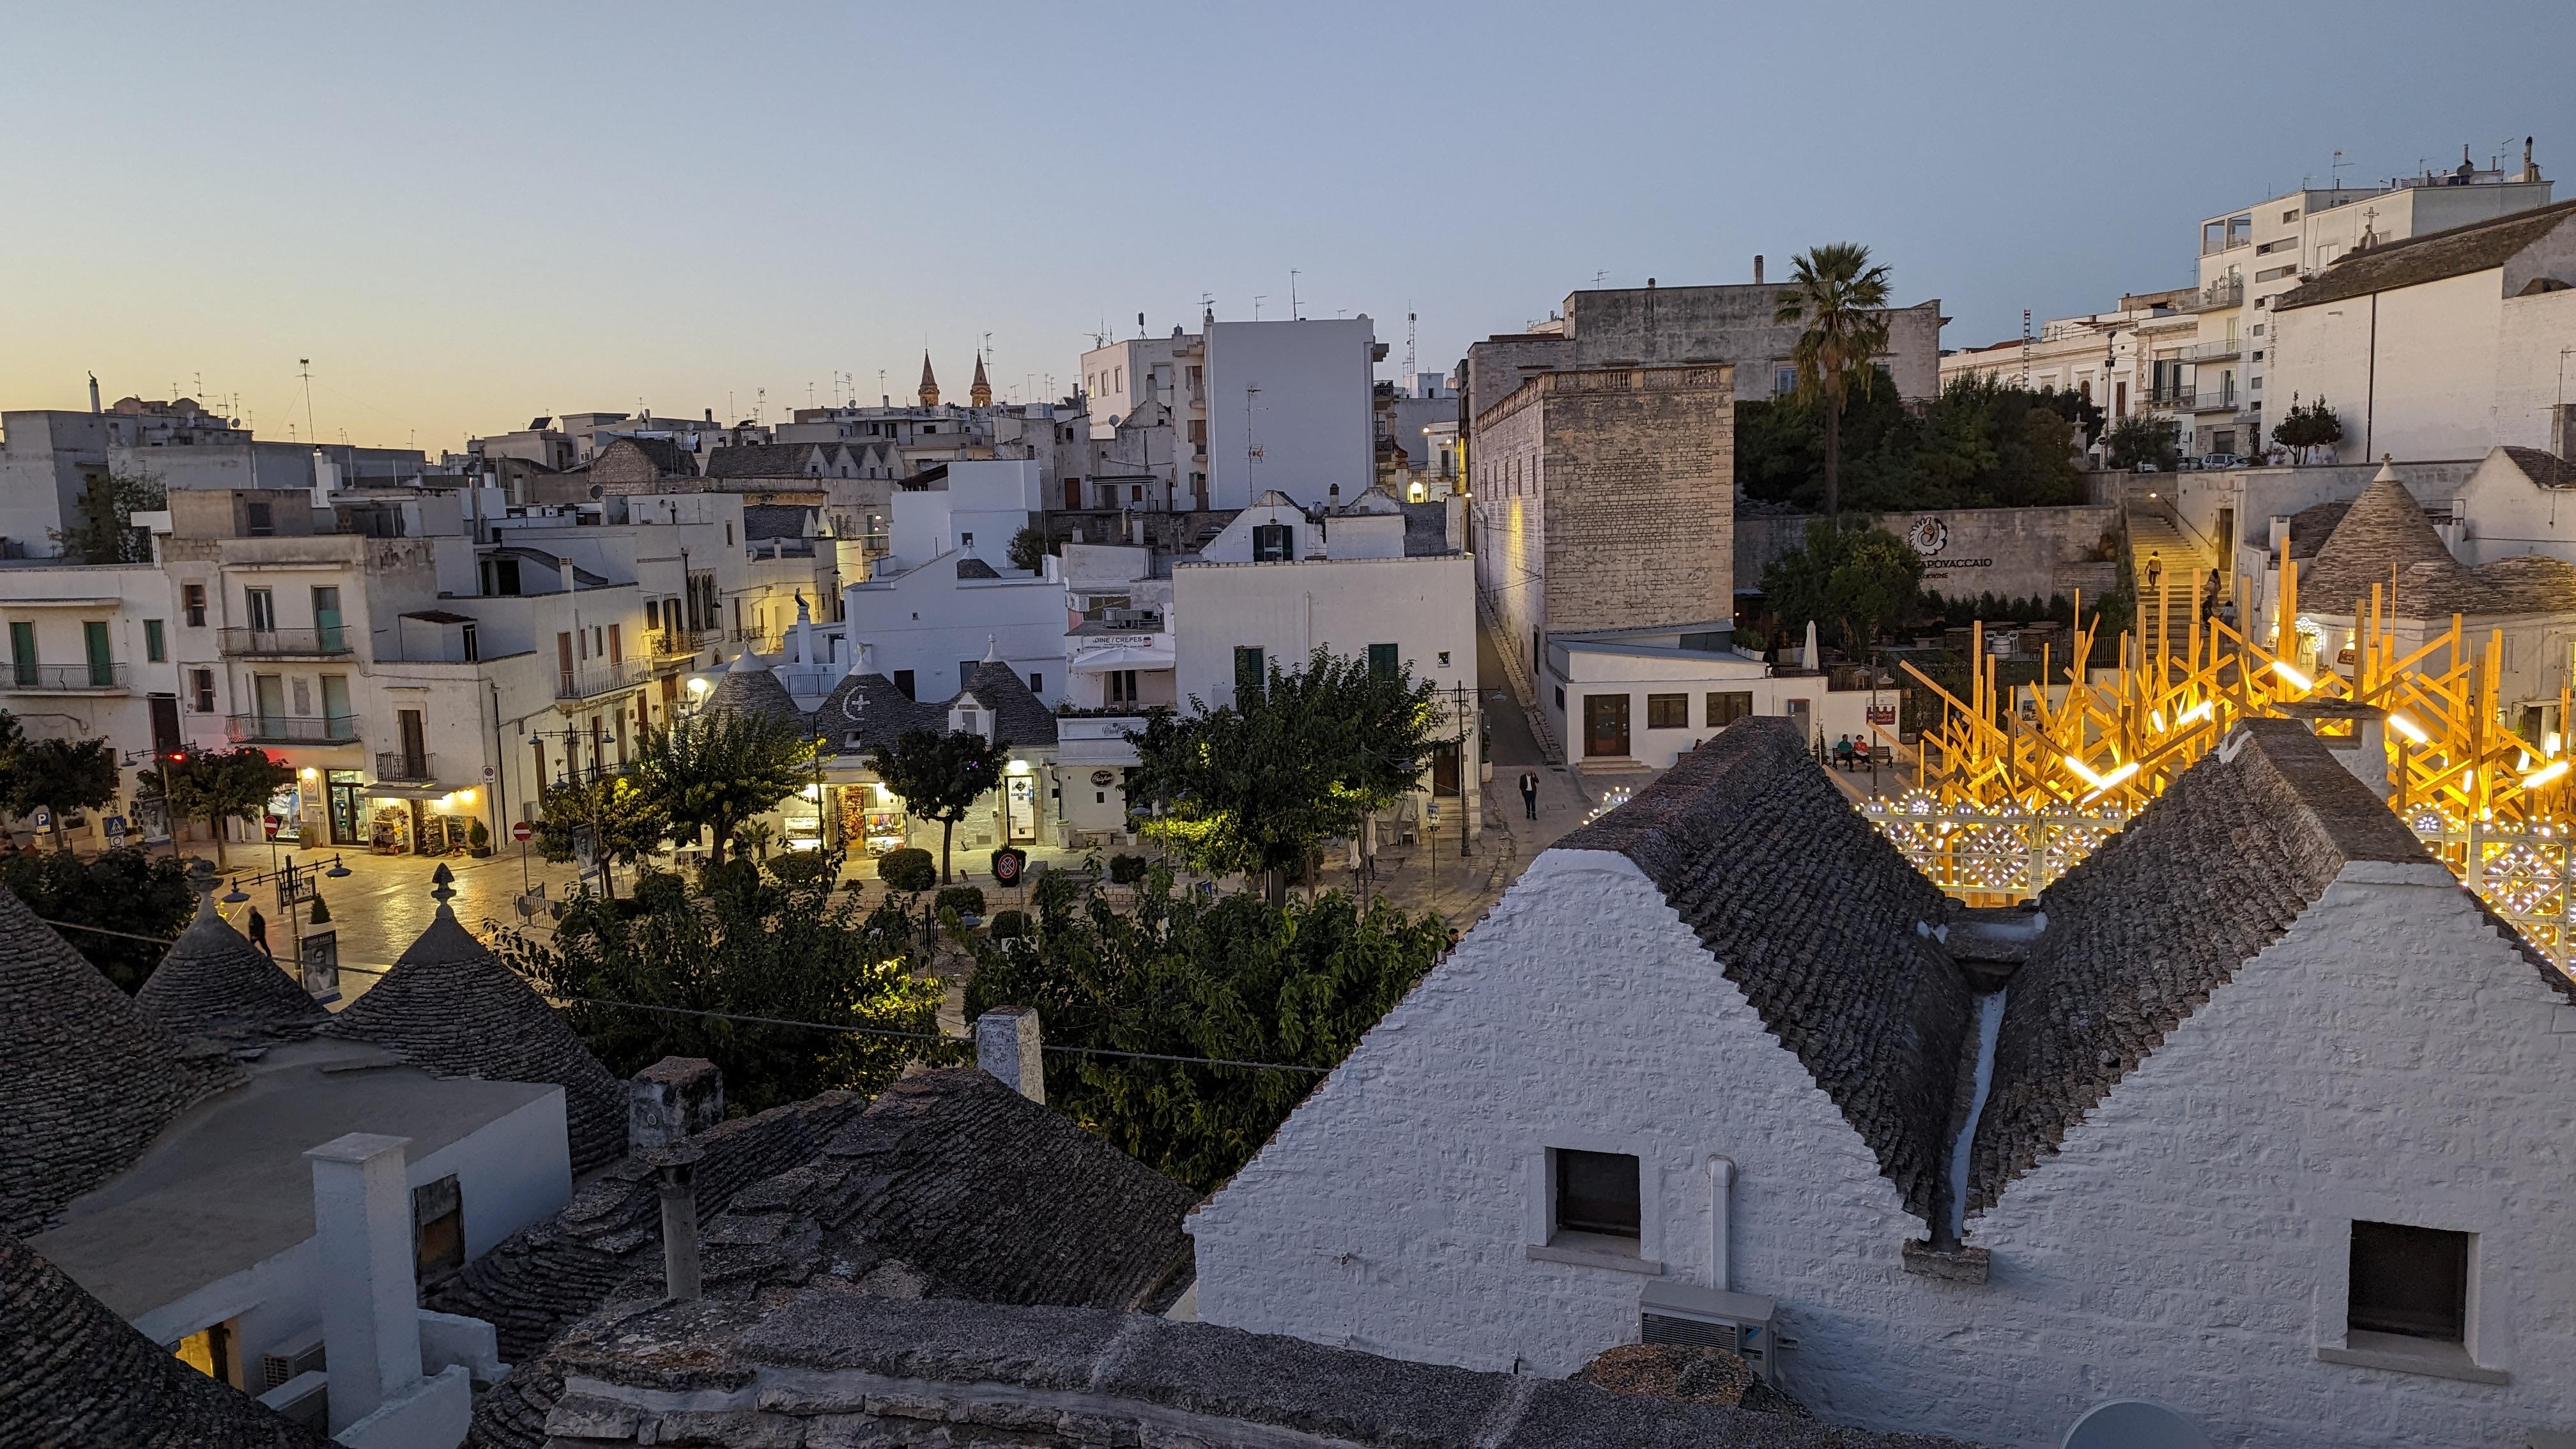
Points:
point(467, 215)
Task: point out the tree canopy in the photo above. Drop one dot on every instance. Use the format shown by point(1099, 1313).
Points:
point(103, 530)
point(1232, 977)
point(1981, 443)
point(718, 768)
point(126, 890)
point(779, 946)
point(624, 824)
point(2308, 426)
point(1855, 583)
point(217, 785)
point(1298, 759)
point(941, 774)
point(2139, 438)
point(62, 775)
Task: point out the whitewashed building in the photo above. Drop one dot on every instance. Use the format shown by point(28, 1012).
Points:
point(1290, 409)
point(2257, 1115)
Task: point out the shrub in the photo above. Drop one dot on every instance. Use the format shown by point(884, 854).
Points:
point(1010, 925)
point(804, 869)
point(964, 900)
point(321, 910)
point(731, 877)
point(476, 836)
point(659, 890)
point(1126, 869)
point(908, 869)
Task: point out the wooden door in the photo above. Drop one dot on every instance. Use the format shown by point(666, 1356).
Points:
point(1605, 725)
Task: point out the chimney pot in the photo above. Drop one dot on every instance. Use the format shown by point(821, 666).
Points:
point(1008, 1045)
point(671, 1101)
point(1757, 269)
point(675, 1170)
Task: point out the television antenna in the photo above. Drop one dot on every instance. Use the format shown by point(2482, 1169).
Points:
point(1257, 299)
point(1408, 344)
point(306, 364)
point(1292, 294)
point(2334, 173)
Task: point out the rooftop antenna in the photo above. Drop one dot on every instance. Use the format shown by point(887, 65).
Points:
point(2334, 173)
point(1292, 294)
point(1408, 344)
point(1257, 299)
point(760, 405)
point(1598, 278)
point(306, 364)
point(2025, 349)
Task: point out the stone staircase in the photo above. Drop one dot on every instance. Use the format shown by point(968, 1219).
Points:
point(2157, 537)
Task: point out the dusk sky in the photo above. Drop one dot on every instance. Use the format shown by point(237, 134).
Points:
point(467, 216)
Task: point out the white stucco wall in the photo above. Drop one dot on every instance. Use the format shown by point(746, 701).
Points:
point(1300, 394)
point(2389, 1059)
point(929, 621)
point(1425, 606)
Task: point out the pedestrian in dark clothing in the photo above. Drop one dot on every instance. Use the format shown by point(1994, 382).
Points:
point(1529, 794)
point(259, 933)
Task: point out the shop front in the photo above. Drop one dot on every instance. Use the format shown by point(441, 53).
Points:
point(872, 816)
point(419, 820)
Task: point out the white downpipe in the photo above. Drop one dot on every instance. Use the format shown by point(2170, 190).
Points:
point(1990, 1021)
point(1721, 1183)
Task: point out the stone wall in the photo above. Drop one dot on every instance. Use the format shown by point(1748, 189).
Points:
point(1732, 325)
point(2009, 552)
point(1638, 491)
point(844, 1369)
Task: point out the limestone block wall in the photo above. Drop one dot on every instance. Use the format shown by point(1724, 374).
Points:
point(2010, 552)
point(1639, 488)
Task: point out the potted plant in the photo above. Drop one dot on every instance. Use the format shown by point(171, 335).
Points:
point(321, 910)
point(478, 841)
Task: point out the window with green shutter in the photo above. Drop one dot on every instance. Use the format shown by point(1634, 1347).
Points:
point(155, 648)
point(1383, 662)
point(1250, 670)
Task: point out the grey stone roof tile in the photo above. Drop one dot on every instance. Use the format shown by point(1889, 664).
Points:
point(753, 688)
point(74, 1374)
point(1023, 719)
point(453, 1010)
point(2148, 927)
point(1814, 916)
point(869, 708)
point(87, 1080)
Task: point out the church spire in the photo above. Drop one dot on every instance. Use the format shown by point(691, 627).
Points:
point(929, 384)
point(981, 392)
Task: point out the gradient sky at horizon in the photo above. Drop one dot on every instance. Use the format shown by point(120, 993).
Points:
point(470, 215)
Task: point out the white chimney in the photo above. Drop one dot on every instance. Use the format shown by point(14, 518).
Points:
point(1757, 269)
point(364, 1259)
point(1008, 1045)
point(666, 1104)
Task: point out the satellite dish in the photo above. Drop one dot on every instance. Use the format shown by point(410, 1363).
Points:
point(2135, 1424)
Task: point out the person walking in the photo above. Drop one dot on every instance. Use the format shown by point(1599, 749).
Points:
point(1529, 794)
point(259, 933)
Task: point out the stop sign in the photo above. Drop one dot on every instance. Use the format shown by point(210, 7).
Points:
point(522, 830)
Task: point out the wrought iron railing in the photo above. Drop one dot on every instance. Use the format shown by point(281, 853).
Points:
point(25, 676)
point(291, 729)
point(597, 680)
point(288, 643)
point(406, 769)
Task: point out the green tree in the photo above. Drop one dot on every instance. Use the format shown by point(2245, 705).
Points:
point(2307, 426)
point(1839, 295)
point(1030, 547)
point(714, 770)
point(2140, 439)
point(941, 775)
point(125, 890)
point(773, 948)
point(1259, 785)
point(63, 775)
point(1234, 977)
point(216, 785)
point(624, 824)
point(104, 532)
point(1853, 582)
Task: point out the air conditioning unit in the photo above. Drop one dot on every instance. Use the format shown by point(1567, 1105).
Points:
point(1737, 1322)
point(301, 1354)
point(304, 1399)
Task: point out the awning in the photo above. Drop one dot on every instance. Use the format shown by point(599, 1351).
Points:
point(408, 792)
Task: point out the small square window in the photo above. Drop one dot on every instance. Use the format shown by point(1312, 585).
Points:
point(1382, 661)
point(1668, 711)
point(2410, 1281)
point(1037, 684)
point(1444, 658)
point(1725, 707)
point(1596, 1192)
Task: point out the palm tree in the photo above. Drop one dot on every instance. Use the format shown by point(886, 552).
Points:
point(1838, 293)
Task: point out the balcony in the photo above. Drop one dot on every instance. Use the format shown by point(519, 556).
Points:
point(284, 643)
point(2215, 400)
point(2171, 399)
point(2218, 351)
point(597, 680)
point(2220, 295)
point(29, 677)
point(676, 643)
point(395, 767)
point(291, 729)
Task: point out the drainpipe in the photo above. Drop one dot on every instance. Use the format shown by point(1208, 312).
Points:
point(1721, 1245)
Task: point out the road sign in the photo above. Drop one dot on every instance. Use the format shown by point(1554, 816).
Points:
point(115, 827)
point(522, 831)
point(43, 819)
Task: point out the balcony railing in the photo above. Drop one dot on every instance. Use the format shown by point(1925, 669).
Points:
point(2214, 351)
point(672, 643)
point(291, 729)
point(28, 677)
point(2177, 399)
point(403, 769)
point(2215, 400)
point(597, 680)
point(285, 643)
point(2220, 295)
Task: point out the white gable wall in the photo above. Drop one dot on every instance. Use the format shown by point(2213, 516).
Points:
point(1393, 1211)
point(2390, 1059)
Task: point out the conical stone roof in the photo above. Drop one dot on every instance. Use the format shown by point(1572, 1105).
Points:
point(453, 1010)
point(86, 1079)
point(749, 687)
point(73, 1373)
point(2385, 530)
point(214, 983)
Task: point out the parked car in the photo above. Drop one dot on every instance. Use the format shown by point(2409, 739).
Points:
point(2211, 462)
